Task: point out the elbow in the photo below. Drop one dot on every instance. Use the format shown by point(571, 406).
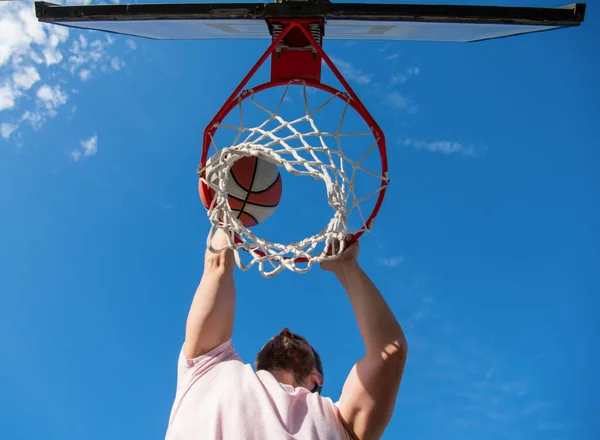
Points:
point(396, 351)
point(393, 361)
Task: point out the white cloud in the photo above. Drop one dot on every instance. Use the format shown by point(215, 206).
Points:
point(24, 44)
point(131, 44)
point(52, 56)
point(83, 41)
point(446, 147)
point(31, 52)
point(51, 98)
point(90, 146)
point(75, 155)
point(23, 35)
point(84, 74)
point(8, 96)
point(36, 119)
point(86, 57)
point(116, 63)
point(7, 129)
point(79, 2)
point(20, 29)
point(350, 72)
point(514, 388)
point(390, 262)
point(401, 78)
point(45, 93)
point(25, 77)
point(397, 100)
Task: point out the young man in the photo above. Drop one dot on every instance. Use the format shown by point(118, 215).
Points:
point(221, 398)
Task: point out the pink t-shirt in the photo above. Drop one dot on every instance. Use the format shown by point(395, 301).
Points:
point(221, 398)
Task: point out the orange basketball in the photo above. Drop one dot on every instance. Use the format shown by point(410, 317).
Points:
point(254, 188)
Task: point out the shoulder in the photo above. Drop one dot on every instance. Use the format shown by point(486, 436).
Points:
point(224, 354)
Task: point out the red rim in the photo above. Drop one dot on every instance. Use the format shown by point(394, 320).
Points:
point(350, 96)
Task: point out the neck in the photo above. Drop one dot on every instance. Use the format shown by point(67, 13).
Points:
point(285, 377)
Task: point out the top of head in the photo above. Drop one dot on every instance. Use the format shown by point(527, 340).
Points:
point(344, 21)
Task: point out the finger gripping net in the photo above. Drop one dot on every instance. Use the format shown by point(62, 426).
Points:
point(303, 150)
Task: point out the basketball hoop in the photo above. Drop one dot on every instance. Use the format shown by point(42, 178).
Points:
point(295, 29)
point(314, 156)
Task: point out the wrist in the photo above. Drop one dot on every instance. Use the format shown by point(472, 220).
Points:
point(344, 268)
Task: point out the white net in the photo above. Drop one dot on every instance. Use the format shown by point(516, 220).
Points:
point(301, 148)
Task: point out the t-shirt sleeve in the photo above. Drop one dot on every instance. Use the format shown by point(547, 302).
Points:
point(344, 430)
point(191, 369)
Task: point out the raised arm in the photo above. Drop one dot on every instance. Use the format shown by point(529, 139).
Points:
point(210, 320)
point(369, 393)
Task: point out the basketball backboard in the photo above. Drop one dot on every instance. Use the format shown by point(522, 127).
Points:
point(344, 21)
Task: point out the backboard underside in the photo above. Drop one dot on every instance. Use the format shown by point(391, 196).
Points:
point(344, 21)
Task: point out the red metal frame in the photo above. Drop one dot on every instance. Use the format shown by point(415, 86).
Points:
point(302, 78)
point(292, 61)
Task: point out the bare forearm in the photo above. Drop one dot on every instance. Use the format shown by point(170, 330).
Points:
point(379, 328)
point(210, 320)
point(369, 394)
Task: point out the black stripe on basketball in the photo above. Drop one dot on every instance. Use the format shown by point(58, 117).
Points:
point(246, 213)
point(269, 197)
point(248, 190)
point(268, 187)
point(252, 203)
point(232, 175)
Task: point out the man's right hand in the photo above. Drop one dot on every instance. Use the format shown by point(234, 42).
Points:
point(346, 259)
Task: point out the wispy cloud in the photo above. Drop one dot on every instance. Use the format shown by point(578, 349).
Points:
point(85, 74)
point(402, 77)
point(397, 100)
point(87, 147)
point(117, 63)
point(24, 77)
point(24, 44)
point(551, 426)
point(31, 53)
point(8, 96)
point(351, 72)
point(51, 98)
point(390, 261)
point(471, 387)
point(131, 44)
point(445, 147)
point(7, 129)
point(536, 406)
point(90, 56)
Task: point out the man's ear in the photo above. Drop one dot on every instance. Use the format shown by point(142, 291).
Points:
point(318, 378)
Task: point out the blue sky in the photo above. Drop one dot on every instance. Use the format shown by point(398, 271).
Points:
point(486, 248)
